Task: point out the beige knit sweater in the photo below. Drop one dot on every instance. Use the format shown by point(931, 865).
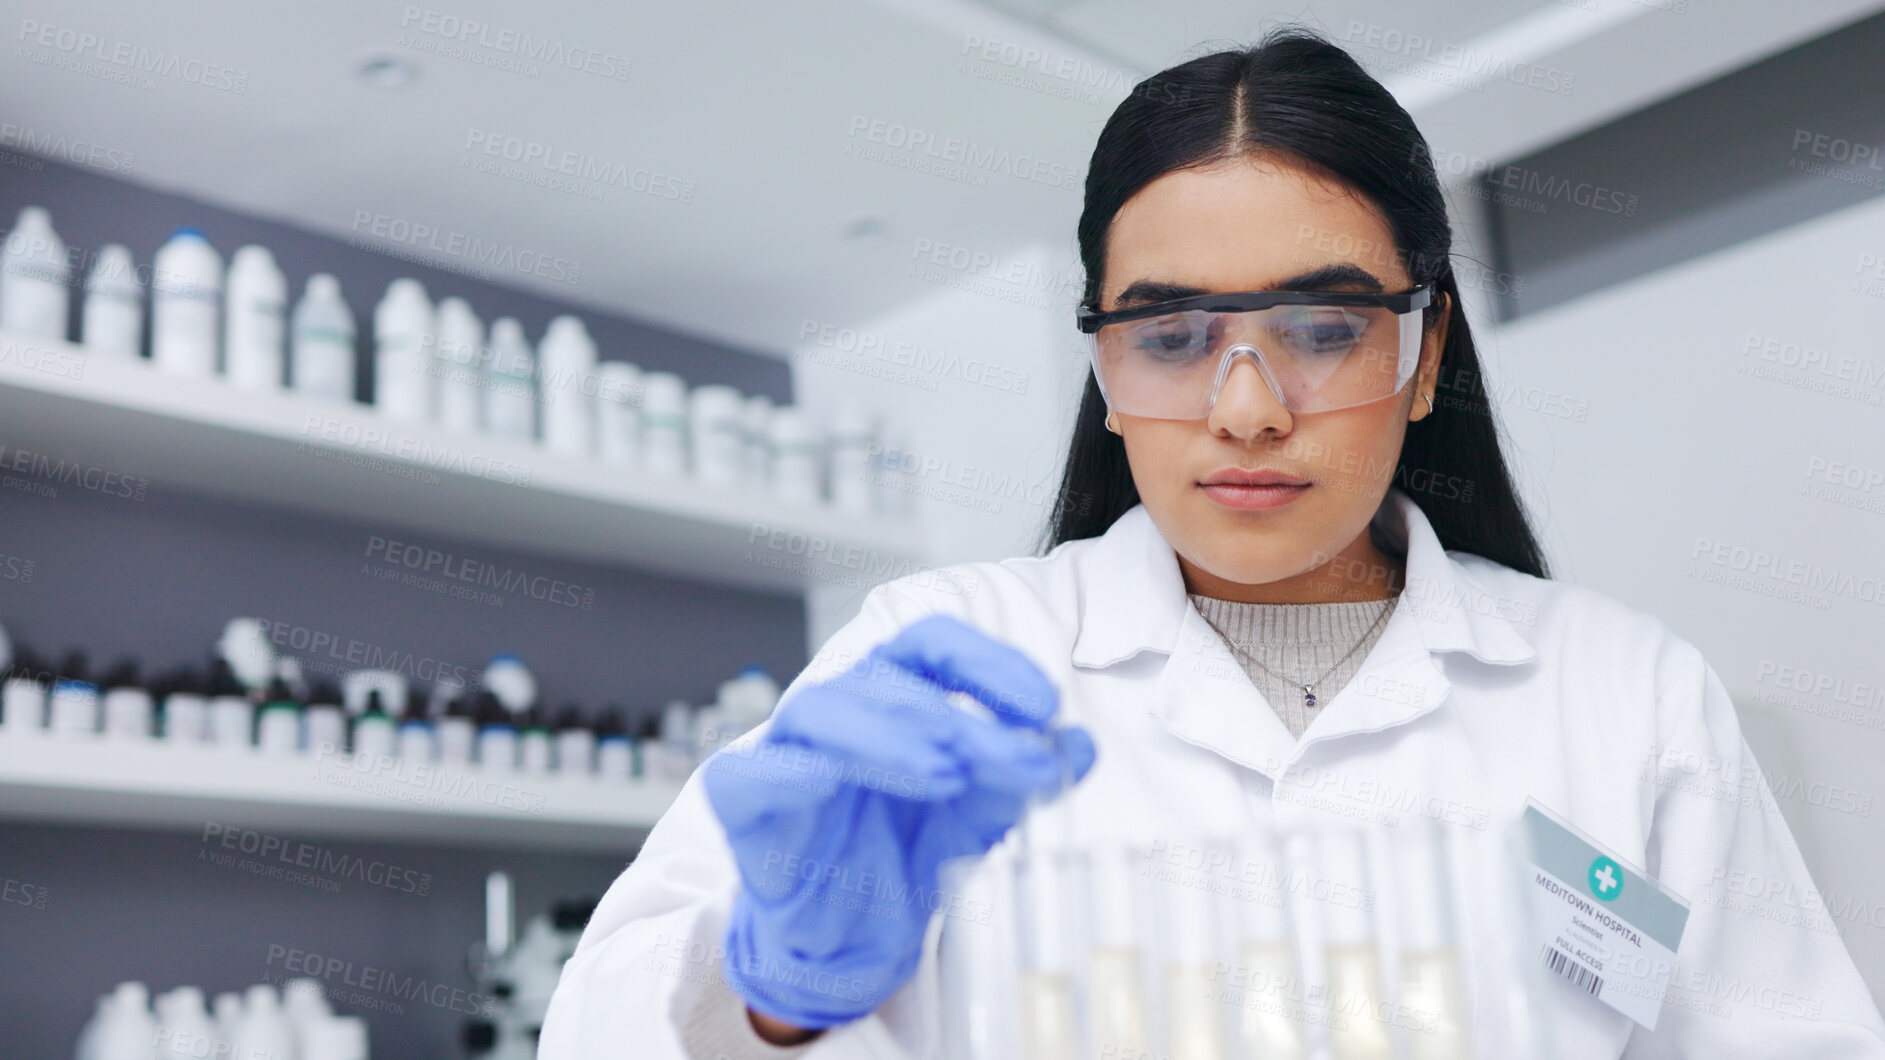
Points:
point(1301, 642)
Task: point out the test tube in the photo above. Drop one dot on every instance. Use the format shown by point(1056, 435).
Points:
point(1047, 1010)
point(1352, 950)
point(1270, 1018)
point(972, 952)
point(1196, 1019)
point(1521, 1020)
point(1116, 961)
point(1432, 992)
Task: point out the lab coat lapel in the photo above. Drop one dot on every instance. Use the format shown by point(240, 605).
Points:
point(1134, 600)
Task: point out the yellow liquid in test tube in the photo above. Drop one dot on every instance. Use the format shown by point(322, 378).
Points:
point(1431, 992)
point(1269, 1022)
point(1196, 1014)
point(1117, 1003)
point(1357, 1032)
point(1047, 1023)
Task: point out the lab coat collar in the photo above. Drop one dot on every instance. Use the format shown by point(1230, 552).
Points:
point(1135, 601)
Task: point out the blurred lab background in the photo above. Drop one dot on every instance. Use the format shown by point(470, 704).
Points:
point(425, 431)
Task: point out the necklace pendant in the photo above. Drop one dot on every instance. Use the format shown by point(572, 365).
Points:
point(1308, 697)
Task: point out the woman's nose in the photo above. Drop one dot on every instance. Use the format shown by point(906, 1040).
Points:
point(1246, 406)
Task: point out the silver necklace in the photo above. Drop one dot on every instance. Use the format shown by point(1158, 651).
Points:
point(1309, 690)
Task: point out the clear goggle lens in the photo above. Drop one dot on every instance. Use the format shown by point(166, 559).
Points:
point(1315, 358)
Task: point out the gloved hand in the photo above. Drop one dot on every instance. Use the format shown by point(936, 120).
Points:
point(864, 785)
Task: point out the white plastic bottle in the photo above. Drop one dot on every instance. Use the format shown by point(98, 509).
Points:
point(227, 1013)
point(893, 477)
point(756, 417)
point(403, 343)
point(566, 365)
point(322, 364)
point(618, 412)
point(510, 390)
point(417, 738)
point(716, 439)
point(254, 319)
point(375, 735)
point(33, 278)
point(112, 321)
point(664, 423)
point(457, 734)
point(615, 752)
point(186, 715)
point(72, 705)
point(536, 745)
point(184, 1028)
point(335, 1038)
point(126, 709)
point(263, 1030)
point(575, 745)
point(749, 698)
point(186, 304)
point(23, 697)
point(231, 715)
point(326, 724)
point(795, 457)
point(459, 365)
point(127, 1029)
point(497, 735)
point(507, 678)
point(848, 451)
point(278, 721)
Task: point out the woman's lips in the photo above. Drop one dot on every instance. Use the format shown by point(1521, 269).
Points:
point(1247, 498)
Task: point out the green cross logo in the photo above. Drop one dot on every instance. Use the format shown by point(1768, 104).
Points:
point(1606, 879)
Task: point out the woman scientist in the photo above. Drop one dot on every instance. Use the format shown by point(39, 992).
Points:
point(1290, 581)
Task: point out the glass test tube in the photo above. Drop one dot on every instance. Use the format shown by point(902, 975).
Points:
point(1351, 946)
point(1270, 1018)
point(1047, 1010)
point(1195, 1016)
point(1116, 961)
point(1432, 990)
point(976, 958)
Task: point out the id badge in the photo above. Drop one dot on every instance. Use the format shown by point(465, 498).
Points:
point(1606, 929)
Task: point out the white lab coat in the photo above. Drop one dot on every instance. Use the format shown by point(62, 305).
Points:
point(1486, 687)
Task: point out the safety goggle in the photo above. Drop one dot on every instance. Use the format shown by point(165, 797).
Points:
point(1317, 350)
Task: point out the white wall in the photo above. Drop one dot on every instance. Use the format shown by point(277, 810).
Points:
point(982, 379)
point(1685, 443)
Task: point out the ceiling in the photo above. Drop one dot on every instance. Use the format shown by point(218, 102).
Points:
point(774, 121)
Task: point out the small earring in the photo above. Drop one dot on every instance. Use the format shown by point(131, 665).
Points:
point(1430, 408)
point(1111, 424)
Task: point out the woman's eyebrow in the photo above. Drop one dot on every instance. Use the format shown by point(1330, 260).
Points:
point(1339, 274)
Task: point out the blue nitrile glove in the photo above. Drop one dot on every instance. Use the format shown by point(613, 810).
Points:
point(840, 817)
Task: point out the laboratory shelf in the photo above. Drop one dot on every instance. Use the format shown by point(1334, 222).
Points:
point(124, 418)
point(88, 779)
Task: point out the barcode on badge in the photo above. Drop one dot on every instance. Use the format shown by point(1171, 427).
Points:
point(1578, 975)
